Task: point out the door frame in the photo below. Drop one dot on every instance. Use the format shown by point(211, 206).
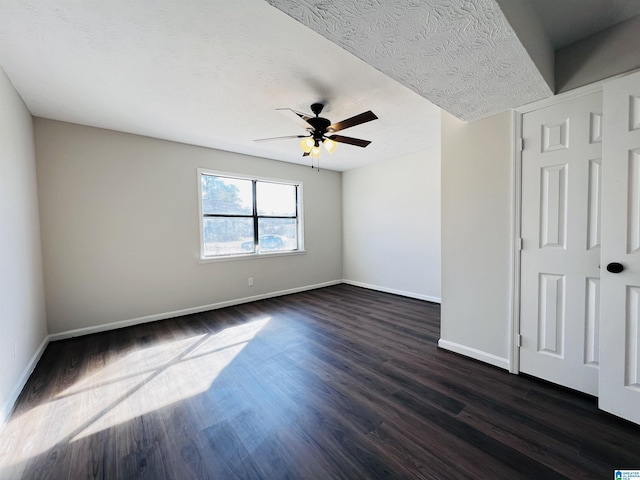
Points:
point(516, 202)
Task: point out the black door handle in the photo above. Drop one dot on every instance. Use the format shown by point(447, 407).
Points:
point(615, 267)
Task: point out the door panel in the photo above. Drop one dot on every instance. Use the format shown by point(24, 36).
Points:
point(620, 300)
point(561, 232)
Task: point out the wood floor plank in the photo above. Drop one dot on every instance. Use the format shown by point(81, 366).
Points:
point(335, 383)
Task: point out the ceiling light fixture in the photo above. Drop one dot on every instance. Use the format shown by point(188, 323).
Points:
point(312, 147)
point(307, 144)
point(322, 131)
point(315, 153)
point(330, 145)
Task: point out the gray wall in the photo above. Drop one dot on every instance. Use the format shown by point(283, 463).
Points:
point(609, 52)
point(22, 312)
point(530, 31)
point(121, 237)
point(476, 237)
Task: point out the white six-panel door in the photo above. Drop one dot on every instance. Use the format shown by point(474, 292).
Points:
point(620, 301)
point(560, 284)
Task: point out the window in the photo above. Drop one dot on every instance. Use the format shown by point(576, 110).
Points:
point(248, 216)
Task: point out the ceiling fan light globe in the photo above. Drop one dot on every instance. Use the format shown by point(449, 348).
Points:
point(330, 145)
point(307, 144)
point(315, 153)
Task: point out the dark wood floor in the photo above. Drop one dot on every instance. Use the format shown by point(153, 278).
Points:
point(334, 383)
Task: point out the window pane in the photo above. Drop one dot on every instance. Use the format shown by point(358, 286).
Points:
point(228, 236)
point(226, 196)
point(277, 234)
point(276, 199)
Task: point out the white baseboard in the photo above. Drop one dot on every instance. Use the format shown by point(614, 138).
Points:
point(178, 313)
point(402, 293)
point(474, 353)
point(10, 401)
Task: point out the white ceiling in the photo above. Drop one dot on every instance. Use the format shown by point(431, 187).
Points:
point(203, 72)
point(212, 73)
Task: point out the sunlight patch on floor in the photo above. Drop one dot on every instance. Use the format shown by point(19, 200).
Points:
point(142, 381)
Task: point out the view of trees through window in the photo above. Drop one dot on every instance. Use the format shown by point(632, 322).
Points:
point(245, 216)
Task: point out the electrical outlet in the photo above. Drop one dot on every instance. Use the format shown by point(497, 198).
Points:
point(251, 281)
point(15, 349)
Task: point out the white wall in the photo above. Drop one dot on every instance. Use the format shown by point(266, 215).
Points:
point(120, 228)
point(22, 312)
point(391, 229)
point(476, 237)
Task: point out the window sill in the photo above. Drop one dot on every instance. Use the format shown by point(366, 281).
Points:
point(249, 256)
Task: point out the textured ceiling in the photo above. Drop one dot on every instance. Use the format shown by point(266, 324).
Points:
point(462, 55)
point(203, 72)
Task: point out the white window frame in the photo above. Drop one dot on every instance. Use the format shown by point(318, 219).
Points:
point(252, 255)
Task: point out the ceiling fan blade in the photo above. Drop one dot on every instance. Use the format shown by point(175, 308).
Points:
point(280, 138)
point(350, 140)
point(303, 118)
point(306, 154)
point(353, 121)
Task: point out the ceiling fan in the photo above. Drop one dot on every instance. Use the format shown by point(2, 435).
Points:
point(321, 131)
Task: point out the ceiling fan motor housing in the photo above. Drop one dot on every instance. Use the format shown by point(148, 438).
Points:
point(320, 126)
